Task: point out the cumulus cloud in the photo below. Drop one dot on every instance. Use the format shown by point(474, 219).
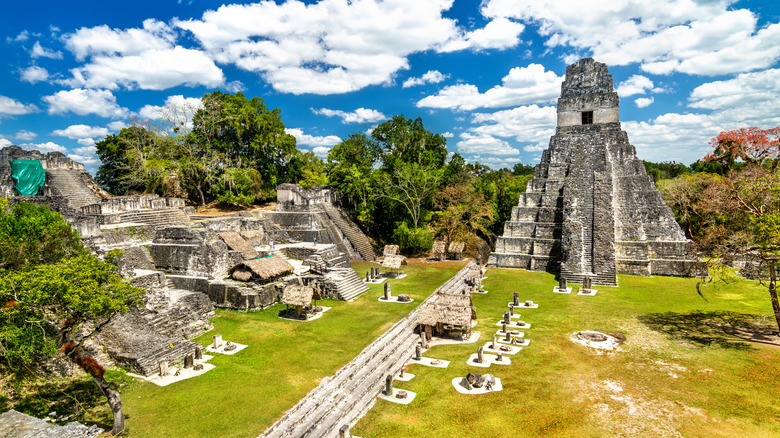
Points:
point(38, 51)
point(4, 142)
point(34, 74)
point(430, 77)
point(522, 86)
point(43, 147)
point(13, 107)
point(636, 84)
point(85, 101)
point(499, 33)
point(116, 126)
point(297, 48)
point(321, 152)
point(179, 107)
point(360, 115)
point(312, 140)
point(643, 102)
point(484, 144)
point(76, 132)
point(145, 58)
point(746, 88)
point(25, 135)
point(21, 37)
point(447, 134)
point(525, 123)
point(705, 38)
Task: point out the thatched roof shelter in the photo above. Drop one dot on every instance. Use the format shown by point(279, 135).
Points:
point(263, 269)
point(298, 295)
point(393, 261)
point(439, 247)
point(454, 316)
point(474, 273)
point(237, 243)
point(457, 247)
point(390, 250)
point(457, 300)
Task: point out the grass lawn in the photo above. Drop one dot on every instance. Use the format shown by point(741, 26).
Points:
point(679, 372)
point(248, 391)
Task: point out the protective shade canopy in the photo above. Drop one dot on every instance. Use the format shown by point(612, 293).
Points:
point(29, 176)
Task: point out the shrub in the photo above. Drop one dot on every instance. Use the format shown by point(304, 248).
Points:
point(413, 241)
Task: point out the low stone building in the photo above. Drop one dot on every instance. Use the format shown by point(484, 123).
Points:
point(590, 209)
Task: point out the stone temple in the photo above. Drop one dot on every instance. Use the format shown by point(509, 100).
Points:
point(590, 209)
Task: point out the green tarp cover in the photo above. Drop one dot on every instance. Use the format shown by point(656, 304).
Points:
point(29, 176)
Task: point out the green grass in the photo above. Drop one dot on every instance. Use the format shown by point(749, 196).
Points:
point(248, 391)
point(681, 369)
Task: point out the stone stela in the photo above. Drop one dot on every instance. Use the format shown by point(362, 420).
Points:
point(590, 209)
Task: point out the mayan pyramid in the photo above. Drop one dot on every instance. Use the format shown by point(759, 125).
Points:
point(590, 208)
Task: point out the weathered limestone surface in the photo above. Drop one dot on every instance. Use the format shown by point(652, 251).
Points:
point(591, 209)
point(14, 424)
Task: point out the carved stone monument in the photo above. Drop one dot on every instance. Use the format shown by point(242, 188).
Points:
point(591, 209)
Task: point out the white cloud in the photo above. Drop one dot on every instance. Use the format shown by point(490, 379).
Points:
point(116, 126)
point(151, 70)
point(360, 115)
point(4, 142)
point(86, 150)
point(21, 37)
point(34, 74)
point(447, 134)
point(76, 132)
point(321, 152)
point(636, 84)
point(85, 101)
point(25, 135)
point(85, 159)
point(643, 102)
point(38, 51)
point(327, 47)
point(484, 144)
point(522, 86)
point(746, 88)
point(499, 33)
point(535, 147)
point(311, 140)
point(13, 107)
point(102, 40)
point(525, 123)
point(430, 77)
point(235, 86)
point(43, 147)
point(87, 142)
point(180, 107)
point(694, 37)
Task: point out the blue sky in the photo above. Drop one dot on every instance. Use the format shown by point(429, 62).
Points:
point(486, 75)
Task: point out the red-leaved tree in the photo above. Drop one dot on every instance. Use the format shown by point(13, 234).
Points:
point(751, 145)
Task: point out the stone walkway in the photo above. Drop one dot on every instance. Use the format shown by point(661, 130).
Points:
point(342, 399)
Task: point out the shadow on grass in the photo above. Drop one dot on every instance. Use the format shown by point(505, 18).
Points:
point(722, 328)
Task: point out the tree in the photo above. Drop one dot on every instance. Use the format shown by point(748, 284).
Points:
point(47, 305)
point(685, 195)
point(312, 170)
point(33, 234)
point(53, 293)
point(754, 146)
point(411, 185)
point(746, 212)
point(463, 213)
point(350, 168)
point(665, 169)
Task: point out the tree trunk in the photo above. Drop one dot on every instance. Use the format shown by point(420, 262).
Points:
point(116, 405)
point(773, 292)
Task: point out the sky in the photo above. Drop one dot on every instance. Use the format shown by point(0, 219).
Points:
point(484, 75)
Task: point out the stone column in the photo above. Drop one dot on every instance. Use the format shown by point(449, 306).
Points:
point(511, 309)
point(480, 358)
point(493, 345)
point(587, 283)
point(422, 339)
point(417, 352)
point(504, 328)
point(389, 385)
point(368, 277)
point(198, 352)
point(188, 361)
point(388, 294)
point(507, 338)
point(499, 357)
point(517, 299)
point(163, 367)
point(506, 318)
point(217, 341)
point(562, 283)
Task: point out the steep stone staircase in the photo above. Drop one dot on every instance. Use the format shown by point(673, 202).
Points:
point(68, 183)
point(348, 283)
point(352, 233)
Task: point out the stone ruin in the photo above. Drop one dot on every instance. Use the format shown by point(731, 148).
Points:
point(590, 208)
point(185, 265)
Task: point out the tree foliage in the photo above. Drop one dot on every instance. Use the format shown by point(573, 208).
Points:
point(754, 146)
point(33, 235)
